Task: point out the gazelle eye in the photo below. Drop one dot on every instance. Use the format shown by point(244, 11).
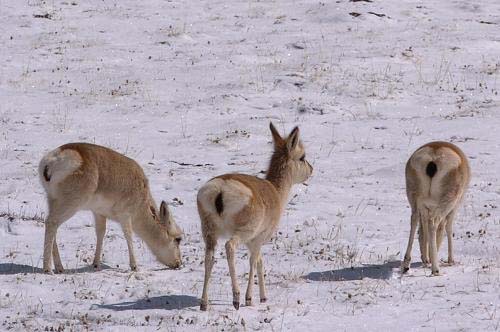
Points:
point(303, 157)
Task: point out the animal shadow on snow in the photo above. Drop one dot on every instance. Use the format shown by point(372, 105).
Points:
point(13, 268)
point(380, 271)
point(166, 302)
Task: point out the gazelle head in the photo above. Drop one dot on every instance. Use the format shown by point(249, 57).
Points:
point(289, 157)
point(171, 235)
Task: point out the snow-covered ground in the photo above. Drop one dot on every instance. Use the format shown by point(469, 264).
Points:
point(187, 88)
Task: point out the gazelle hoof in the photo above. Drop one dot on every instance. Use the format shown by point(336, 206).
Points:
point(48, 271)
point(59, 270)
point(435, 273)
point(248, 302)
point(263, 300)
point(405, 266)
point(203, 306)
point(447, 263)
point(133, 268)
point(236, 305)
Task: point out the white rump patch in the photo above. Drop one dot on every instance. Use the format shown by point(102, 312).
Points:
point(59, 165)
point(446, 160)
point(421, 157)
point(235, 196)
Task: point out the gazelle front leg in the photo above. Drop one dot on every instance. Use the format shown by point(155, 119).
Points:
point(209, 264)
point(433, 226)
point(231, 246)
point(440, 235)
point(253, 262)
point(262, 285)
point(127, 231)
point(100, 230)
point(414, 223)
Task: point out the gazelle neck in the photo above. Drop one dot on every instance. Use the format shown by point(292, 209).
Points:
point(149, 230)
point(279, 175)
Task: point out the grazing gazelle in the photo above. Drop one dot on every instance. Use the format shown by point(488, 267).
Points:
point(246, 209)
point(81, 176)
point(437, 176)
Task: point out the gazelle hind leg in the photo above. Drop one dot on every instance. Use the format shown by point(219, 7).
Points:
point(58, 214)
point(231, 246)
point(423, 240)
point(210, 244)
point(57, 258)
point(449, 235)
point(433, 227)
point(50, 234)
point(406, 263)
point(100, 230)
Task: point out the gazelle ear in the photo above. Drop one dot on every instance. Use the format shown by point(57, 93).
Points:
point(293, 139)
point(164, 213)
point(277, 139)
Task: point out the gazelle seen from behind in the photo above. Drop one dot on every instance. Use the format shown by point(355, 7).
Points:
point(437, 176)
point(246, 210)
point(81, 176)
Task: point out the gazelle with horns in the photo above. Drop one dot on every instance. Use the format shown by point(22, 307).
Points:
point(246, 210)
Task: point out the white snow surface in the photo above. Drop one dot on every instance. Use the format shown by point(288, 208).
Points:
point(188, 88)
